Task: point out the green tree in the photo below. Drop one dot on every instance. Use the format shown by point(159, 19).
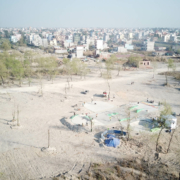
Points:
point(6, 45)
point(18, 70)
point(178, 51)
point(52, 67)
point(3, 71)
point(7, 34)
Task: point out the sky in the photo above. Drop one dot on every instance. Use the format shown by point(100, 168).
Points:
point(90, 13)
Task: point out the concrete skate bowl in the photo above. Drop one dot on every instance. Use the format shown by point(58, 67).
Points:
point(72, 127)
point(116, 133)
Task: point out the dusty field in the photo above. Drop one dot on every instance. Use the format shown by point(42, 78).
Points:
point(20, 148)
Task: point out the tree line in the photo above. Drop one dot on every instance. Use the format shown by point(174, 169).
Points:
point(16, 67)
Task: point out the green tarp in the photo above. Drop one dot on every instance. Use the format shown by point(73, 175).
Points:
point(112, 114)
point(74, 116)
point(139, 110)
point(124, 119)
point(133, 107)
point(87, 117)
point(155, 129)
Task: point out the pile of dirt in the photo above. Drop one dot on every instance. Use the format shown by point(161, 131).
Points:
point(175, 74)
point(126, 169)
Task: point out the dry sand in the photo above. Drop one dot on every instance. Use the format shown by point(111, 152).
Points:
point(20, 148)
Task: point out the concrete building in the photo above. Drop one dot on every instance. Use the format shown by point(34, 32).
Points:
point(90, 41)
point(144, 64)
point(50, 36)
point(53, 42)
point(148, 46)
point(15, 38)
point(121, 49)
point(106, 38)
point(105, 45)
point(76, 38)
point(79, 51)
point(44, 42)
point(59, 50)
point(35, 40)
point(130, 35)
point(68, 43)
point(129, 46)
point(166, 37)
point(99, 44)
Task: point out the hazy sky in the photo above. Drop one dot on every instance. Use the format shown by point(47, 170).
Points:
point(90, 13)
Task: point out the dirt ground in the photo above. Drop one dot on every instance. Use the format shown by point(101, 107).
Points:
point(20, 147)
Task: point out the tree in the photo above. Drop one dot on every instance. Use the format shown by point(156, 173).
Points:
point(52, 67)
point(18, 70)
point(28, 70)
point(154, 66)
point(6, 45)
point(170, 66)
point(100, 68)
point(109, 64)
point(7, 34)
point(21, 41)
point(3, 71)
point(178, 51)
point(170, 141)
point(162, 120)
point(129, 118)
point(134, 61)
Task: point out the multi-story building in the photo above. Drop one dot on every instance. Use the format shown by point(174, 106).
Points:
point(76, 38)
point(148, 46)
point(15, 38)
point(44, 42)
point(166, 37)
point(99, 44)
point(106, 38)
point(79, 51)
point(35, 40)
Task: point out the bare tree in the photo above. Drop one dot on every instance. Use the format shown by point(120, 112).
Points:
point(154, 66)
point(162, 120)
point(170, 141)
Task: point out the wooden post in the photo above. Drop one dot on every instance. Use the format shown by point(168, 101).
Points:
point(48, 138)
point(91, 124)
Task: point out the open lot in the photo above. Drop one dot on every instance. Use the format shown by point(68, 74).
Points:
point(20, 148)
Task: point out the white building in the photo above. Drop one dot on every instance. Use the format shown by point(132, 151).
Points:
point(99, 44)
point(106, 38)
point(79, 51)
point(148, 46)
point(130, 35)
point(35, 40)
point(44, 42)
point(59, 50)
point(121, 49)
point(166, 37)
point(53, 42)
point(15, 38)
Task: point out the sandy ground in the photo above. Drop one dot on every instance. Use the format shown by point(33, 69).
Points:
point(20, 148)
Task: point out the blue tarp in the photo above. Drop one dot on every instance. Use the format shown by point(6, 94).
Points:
point(111, 136)
point(112, 142)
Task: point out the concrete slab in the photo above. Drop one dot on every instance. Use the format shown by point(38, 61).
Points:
point(109, 115)
point(98, 106)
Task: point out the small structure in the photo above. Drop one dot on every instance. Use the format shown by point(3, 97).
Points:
point(144, 64)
